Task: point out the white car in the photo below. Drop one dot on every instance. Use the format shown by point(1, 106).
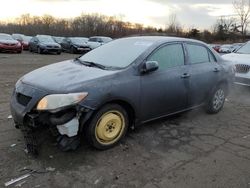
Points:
point(97, 41)
point(241, 59)
point(227, 48)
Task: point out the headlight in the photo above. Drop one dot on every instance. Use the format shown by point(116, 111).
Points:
point(52, 102)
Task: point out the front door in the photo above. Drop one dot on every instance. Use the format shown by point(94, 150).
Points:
point(164, 91)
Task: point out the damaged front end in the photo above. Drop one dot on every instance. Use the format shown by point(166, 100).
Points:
point(34, 110)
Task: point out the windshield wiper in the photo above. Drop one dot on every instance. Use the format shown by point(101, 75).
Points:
point(91, 64)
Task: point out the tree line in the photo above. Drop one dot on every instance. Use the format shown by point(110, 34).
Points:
point(85, 25)
point(227, 28)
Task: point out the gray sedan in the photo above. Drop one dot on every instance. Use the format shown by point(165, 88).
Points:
point(121, 84)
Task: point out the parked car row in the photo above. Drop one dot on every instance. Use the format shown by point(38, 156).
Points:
point(8, 44)
point(49, 44)
point(226, 48)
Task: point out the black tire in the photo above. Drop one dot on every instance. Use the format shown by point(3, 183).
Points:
point(72, 50)
point(91, 129)
point(216, 100)
point(58, 53)
point(39, 50)
point(30, 49)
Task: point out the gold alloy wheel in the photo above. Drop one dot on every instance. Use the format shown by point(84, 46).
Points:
point(109, 128)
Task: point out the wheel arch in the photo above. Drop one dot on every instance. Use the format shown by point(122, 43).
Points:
point(126, 105)
point(225, 85)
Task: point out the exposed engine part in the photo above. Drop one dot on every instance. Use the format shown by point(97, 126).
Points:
point(62, 119)
point(30, 140)
point(70, 128)
point(66, 143)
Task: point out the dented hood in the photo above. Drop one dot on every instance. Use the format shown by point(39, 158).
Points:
point(64, 77)
point(236, 58)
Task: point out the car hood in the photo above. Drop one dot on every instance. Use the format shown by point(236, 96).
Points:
point(64, 77)
point(79, 44)
point(235, 58)
point(8, 41)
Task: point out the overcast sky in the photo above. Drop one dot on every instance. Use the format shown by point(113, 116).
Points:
point(190, 13)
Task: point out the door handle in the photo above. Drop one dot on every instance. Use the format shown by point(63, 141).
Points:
point(185, 75)
point(216, 69)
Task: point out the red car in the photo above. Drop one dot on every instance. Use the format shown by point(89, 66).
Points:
point(8, 44)
point(23, 39)
point(216, 47)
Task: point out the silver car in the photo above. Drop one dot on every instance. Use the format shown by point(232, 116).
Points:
point(240, 58)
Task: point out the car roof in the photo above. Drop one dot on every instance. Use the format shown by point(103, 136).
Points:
point(43, 35)
point(163, 39)
point(5, 34)
point(100, 37)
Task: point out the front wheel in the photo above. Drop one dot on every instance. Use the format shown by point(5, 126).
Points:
point(108, 126)
point(39, 50)
point(216, 100)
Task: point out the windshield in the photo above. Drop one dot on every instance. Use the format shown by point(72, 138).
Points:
point(245, 49)
point(79, 40)
point(5, 37)
point(45, 39)
point(119, 53)
point(226, 46)
point(106, 39)
point(58, 39)
point(27, 38)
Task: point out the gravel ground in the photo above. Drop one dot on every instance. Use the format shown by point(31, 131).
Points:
point(192, 149)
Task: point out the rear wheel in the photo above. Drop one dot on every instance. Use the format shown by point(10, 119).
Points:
point(216, 100)
point(72, 50)
point(108, 126)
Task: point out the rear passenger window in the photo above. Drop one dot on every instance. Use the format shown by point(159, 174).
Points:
point(168, 56)
point(197, 54)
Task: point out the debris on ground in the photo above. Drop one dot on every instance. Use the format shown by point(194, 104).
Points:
point(51, 157)
point(97, 181)
point(20, 184)
point(246, 136)
point(50, 169)
point(26, 150)
point(12, 181)
point(10, 117)
point(12, 145)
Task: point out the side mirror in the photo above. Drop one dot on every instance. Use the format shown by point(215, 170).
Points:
point(150, 66)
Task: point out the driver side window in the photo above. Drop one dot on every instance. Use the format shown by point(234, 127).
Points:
point(168, 56)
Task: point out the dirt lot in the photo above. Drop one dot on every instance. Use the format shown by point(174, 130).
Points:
point(193, 149)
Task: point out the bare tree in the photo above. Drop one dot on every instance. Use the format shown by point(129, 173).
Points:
point(242, 9)
point(174, 26)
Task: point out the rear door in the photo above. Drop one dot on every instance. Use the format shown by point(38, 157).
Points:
point(164, 91)
point(204, 73)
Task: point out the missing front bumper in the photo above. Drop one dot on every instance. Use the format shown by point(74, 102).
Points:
point(64, 125)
